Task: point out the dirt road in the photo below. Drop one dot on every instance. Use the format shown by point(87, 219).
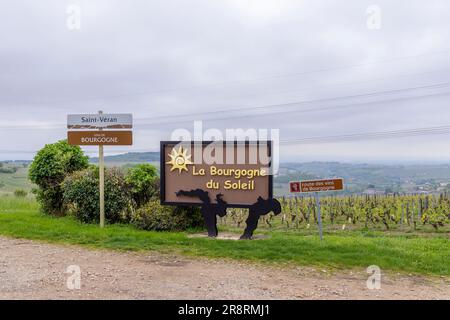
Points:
point(33, 270)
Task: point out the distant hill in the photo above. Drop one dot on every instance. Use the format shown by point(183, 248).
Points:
point(359, 178)
point(131, 157)
point(373, 177)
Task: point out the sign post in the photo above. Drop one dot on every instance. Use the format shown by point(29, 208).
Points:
point(317, 186)
point(101, 168)
point(102, 135)
point(319, 216)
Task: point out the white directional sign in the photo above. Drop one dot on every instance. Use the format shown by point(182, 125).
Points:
point(100, 121)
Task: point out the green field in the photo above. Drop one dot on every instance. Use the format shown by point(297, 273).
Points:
point(20, 218)
point(12, 181)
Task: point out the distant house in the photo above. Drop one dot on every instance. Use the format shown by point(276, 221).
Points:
point(372, 192)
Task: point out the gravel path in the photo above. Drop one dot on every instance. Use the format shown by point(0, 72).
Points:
point(33, 270)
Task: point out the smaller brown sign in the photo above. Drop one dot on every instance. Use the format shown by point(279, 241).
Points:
point(322, 185)
point(100, 138)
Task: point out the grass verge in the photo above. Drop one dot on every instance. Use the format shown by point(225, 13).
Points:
point(20, 218)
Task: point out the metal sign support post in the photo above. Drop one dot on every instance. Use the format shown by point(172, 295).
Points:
point(101, 168)
point(319, 216)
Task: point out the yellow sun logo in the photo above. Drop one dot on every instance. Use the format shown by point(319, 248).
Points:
point(179, 159)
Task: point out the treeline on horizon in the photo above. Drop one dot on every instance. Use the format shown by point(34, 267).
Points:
point(359, 178)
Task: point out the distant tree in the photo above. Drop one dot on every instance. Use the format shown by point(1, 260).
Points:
point(48, 170)
point(388, 190)
point(9, 170)
point(20, 193)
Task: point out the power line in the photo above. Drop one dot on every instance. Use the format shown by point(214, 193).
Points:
point(234, 82)
point(299, 103)
point(441, 70)
point(185, 117)
point(369, 135)
point(284, 112)
point(375, 135)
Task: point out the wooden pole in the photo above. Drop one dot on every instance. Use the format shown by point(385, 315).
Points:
point(101, 167)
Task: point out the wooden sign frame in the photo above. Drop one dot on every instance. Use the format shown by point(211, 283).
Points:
point(163, 145)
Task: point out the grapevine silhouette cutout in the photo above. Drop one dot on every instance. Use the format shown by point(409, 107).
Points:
point(210, 211)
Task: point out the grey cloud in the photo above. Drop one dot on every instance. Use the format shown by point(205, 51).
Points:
point(169, 58)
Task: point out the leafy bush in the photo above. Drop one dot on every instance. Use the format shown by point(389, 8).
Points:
point(144, 183)
point(81, 195)
point(20, 193)
point(49, 169)
point(153, 216)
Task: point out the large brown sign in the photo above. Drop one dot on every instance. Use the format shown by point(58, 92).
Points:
point(100, 138)
point(237, 173)
point(319, 185)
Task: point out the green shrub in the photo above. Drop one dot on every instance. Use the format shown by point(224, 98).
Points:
point(48, 170)
point(81, 195)
point(153, 216)
point(144, 183)
point(20, 193)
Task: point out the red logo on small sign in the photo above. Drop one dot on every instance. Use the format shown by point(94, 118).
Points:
point(294, 186)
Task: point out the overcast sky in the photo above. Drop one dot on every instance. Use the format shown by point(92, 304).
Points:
point(308, 68)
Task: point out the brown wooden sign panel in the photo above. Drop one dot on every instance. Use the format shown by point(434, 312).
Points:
point(322, 185)
point(238, 184)
point(100, 138)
